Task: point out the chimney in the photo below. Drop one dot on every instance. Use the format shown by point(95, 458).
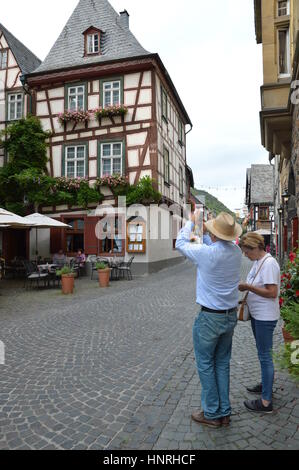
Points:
point(124, 19)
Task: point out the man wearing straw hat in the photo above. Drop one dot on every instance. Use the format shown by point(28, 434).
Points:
point(218, 263)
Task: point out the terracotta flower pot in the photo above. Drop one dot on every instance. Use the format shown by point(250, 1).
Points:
point(67, 282)
point(104, 276)
point(288, 338)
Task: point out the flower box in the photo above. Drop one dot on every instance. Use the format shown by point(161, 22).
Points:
point(74, 116)
point(110, 111)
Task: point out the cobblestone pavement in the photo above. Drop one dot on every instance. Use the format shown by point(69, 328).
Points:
point(114, 369)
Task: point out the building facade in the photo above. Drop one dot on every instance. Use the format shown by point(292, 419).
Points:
point(97, 63)
point(259, 200)
point(277, 24)
point(15, 61)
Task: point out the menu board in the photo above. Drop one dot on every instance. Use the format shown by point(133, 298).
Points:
point(136, 242)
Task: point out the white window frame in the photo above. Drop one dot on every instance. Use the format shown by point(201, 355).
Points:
point(287, 29)
point(75, 160)
point(3, 64)
point(111, 157)
point(14, 116)
point(279, 9)
point(108, 86)
point(92, 48)
point(76, 94)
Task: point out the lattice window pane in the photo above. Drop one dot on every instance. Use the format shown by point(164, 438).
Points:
point(70, 153)
point(70, 172)
point(107, 100)
point(80, 168)
point(80, 152)
point(106, 150)
point(116, 99)
point(116, 149)
point(117, 166)
point(106, 165)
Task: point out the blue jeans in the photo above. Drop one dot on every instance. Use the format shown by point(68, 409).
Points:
point(263, 333)
point(212, 338)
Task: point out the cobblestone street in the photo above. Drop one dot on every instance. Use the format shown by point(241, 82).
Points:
point(114, 369)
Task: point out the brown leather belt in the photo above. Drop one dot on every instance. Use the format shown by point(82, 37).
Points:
point(229, 310)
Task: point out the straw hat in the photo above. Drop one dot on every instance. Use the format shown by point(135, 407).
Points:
point(224, 227)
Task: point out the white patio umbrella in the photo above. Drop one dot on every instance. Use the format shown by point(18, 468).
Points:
point(42, 221)
point(9, 219)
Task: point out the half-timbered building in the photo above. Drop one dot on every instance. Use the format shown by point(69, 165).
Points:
point(15, 61)
point(95, 63)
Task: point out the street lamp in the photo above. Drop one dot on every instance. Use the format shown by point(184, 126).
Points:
point(280, 210)
point(285, 197)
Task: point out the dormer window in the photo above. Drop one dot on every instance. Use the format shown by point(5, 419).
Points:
point(92, 41)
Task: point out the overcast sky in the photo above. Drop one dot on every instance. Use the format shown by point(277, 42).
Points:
point(209, 49)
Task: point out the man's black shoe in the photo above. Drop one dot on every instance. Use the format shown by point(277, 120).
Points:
point(257, 389)
point(257, 406)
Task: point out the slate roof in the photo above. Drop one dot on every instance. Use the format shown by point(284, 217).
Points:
point(27, 61)
point(261, 184)
point(117, 40)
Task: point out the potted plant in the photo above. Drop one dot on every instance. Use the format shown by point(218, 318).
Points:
point(103, 273)
point(67, 279)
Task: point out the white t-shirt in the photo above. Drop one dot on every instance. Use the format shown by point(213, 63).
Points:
point(261, 308)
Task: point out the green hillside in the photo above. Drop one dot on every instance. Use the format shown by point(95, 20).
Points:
point(212, 203)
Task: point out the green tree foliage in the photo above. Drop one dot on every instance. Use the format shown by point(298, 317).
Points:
point(25, 143)
point(289, 302)
point(143, 192)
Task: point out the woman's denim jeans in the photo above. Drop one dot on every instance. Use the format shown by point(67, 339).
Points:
point(263, 333)
point(212, 338)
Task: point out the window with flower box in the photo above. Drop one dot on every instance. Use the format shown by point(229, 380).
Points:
point(111, 160)
point(76, 97)
point(75, 161)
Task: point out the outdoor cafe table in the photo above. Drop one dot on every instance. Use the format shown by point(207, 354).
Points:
point(50, 269)
point(114, 264)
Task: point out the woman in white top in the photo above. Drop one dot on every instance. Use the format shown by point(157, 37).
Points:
point(263, 285)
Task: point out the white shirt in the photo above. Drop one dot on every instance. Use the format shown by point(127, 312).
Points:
point(261, 308)
point(218, 269)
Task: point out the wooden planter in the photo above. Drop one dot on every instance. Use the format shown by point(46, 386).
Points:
point(67, 282)
point(104, 276)
point(288, 338)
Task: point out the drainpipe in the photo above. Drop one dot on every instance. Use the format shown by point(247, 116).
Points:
point(26, 90)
